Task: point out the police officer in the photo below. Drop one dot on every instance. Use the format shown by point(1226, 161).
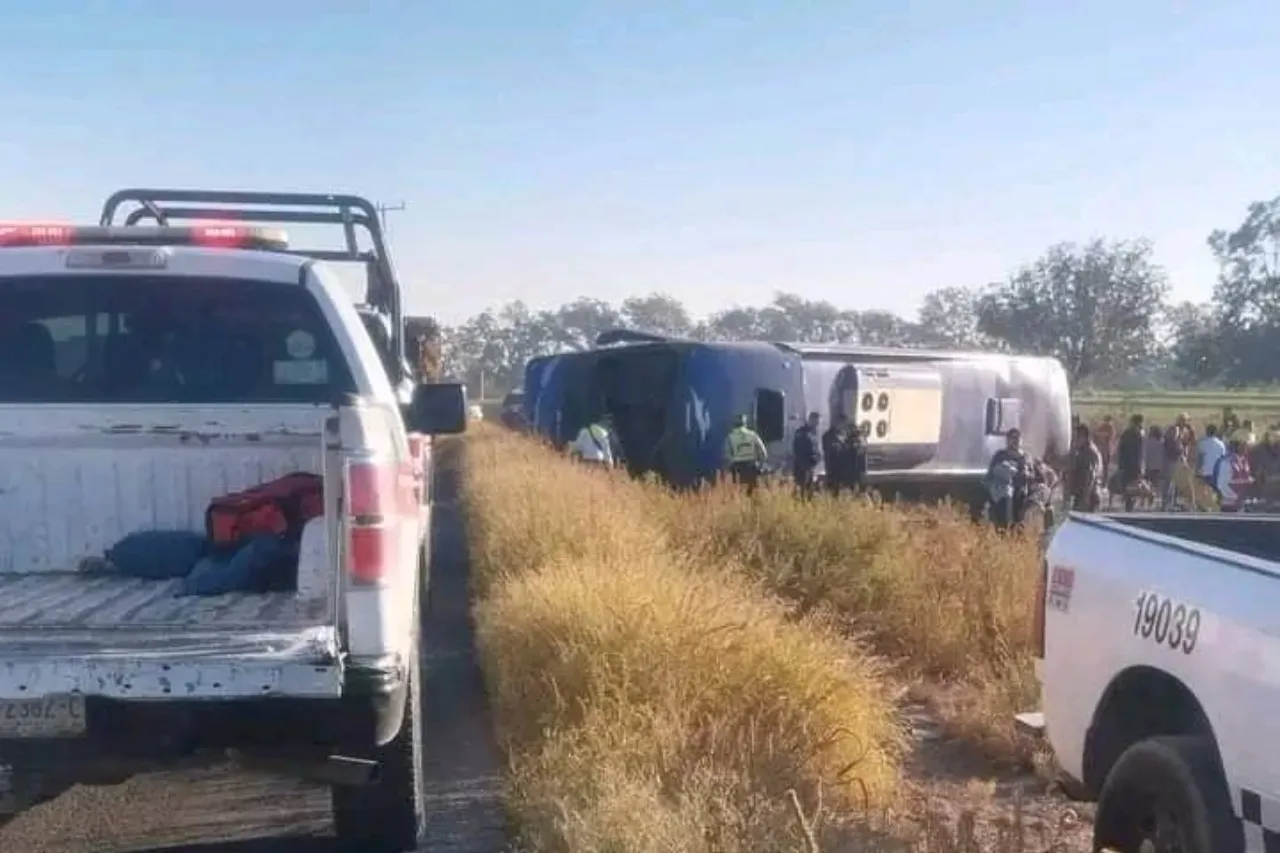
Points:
point(805, 456)
point(845, 452)
point(853, 466)
point(833, 452)
point(744, 454)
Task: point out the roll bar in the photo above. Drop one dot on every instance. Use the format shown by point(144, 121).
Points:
point(165, 206)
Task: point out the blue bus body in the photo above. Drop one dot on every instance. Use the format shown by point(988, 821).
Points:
point(932, 419)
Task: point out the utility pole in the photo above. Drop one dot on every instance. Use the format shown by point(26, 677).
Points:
point(384, 209)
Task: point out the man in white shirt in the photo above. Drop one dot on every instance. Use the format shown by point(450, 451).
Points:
point(594, 443)
point(1208, 452)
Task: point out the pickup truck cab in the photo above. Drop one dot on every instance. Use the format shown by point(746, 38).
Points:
point(144, 372)
point(1160, 676)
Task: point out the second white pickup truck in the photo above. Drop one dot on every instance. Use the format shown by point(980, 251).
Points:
point(1160, 674)
point(145, 372)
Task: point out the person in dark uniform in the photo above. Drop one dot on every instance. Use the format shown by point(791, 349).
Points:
point(830, 453)
point(845, 453)
point(1130, 461)
point(855, 458)
point(805, 455)
point(833, 441)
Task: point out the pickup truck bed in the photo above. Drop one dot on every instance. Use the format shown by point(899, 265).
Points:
point(1256, 536)
point(77, 479)
point(73, 600)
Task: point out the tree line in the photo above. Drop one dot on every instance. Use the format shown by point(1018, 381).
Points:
point(1102, 308)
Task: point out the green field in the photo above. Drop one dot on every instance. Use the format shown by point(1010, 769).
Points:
point(1161, 407)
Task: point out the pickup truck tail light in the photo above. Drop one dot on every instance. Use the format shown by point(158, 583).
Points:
point(372, 519)
point(418, 464)
point(1041, 595)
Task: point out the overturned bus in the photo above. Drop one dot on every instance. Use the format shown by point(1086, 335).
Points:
point(932, 419)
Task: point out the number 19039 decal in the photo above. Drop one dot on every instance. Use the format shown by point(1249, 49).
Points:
point(1166, 622)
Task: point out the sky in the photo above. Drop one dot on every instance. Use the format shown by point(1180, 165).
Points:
point(863, 152)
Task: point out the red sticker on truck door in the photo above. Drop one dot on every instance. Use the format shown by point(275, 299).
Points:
point(1062, 583)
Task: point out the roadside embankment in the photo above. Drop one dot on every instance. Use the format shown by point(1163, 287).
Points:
point(708, 672)
point(646, 699)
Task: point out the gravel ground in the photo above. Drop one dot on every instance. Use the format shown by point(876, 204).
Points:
point(229, 810)
point(947, 780)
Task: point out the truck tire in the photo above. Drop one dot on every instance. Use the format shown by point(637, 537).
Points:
point(387, 815)
point(1172, 791)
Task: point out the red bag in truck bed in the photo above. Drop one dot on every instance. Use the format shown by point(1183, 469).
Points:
point(280, 507)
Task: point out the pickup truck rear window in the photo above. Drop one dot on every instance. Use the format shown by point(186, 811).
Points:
point(164, 339)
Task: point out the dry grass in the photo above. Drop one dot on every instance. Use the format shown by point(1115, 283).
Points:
point(951, 602)
point(648, 704)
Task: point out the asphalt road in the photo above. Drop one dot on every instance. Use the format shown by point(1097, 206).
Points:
point(228, 810)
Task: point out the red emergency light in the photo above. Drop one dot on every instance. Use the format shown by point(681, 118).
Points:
point(35, 234)
point(208, 235)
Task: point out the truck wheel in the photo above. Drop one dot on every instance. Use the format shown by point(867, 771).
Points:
point(387, 815)
point(1170, 791)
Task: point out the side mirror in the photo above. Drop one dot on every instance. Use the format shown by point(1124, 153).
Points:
point(437, 409)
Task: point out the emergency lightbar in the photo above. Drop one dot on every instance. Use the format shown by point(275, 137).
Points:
point(211, 236)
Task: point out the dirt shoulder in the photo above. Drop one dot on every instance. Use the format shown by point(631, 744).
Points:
point(951, 789)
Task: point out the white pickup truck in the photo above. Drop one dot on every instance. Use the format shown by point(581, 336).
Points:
point(1160, 675)
point(105, 430)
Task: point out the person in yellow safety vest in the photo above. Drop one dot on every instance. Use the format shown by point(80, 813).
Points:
point(744, 454)
point(595, 442)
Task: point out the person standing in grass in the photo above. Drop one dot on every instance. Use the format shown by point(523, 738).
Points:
point(1232, 477)
point(1263, 459)
point(854, 461)
point(832, 453)
point(745, 454)
point(1153, 461)
point(1129, 459)
point(1104, 435)
point(1245, 434)
point(845, 453)
point(1209, 450)
point(805, 456)
point(1230, 422)
point(1010, 478)
point(1187, 433)
point(595, 443)
point(1084, 472)
point(1174, 454)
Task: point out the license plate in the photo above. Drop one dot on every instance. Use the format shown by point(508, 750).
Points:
point(46, 717)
